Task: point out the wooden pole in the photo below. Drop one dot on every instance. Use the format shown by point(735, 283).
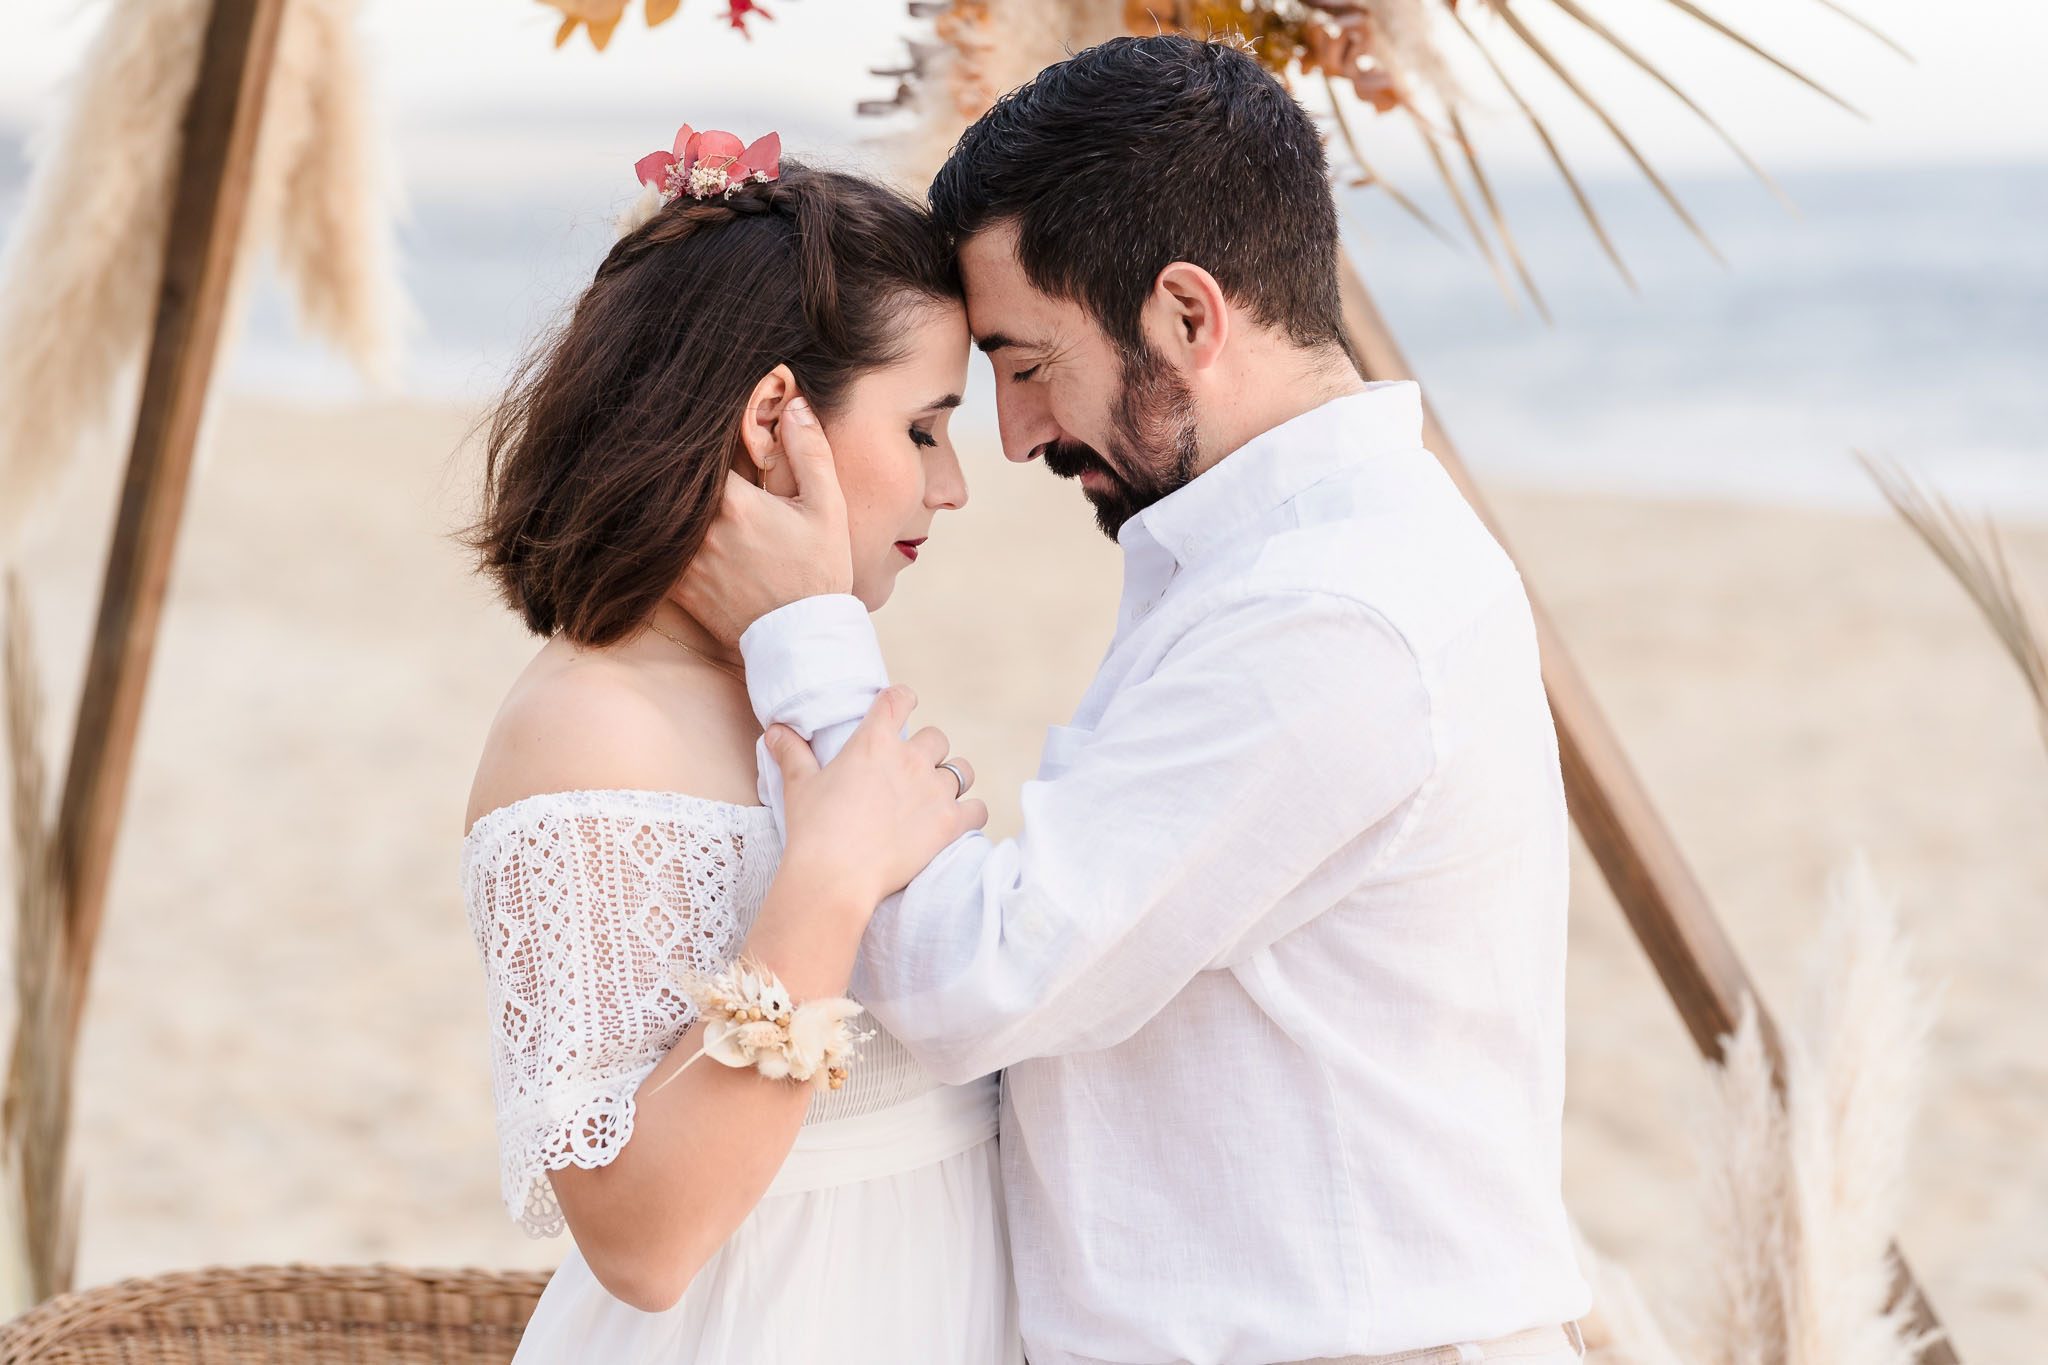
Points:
point(1640, 860)
point(211, 192)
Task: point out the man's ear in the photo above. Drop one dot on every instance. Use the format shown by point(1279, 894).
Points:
point(763, 460)
point(1187, 317)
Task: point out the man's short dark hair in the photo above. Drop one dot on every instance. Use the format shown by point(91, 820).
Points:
point(1144, 151)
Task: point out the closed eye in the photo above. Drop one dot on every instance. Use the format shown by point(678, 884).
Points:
point(1023, 375)
point(922, 439)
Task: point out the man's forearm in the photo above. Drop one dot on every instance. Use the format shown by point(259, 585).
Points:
point(1161, 848)
point(815, 667)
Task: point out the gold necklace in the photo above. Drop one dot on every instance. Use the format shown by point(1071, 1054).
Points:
point(686, 645)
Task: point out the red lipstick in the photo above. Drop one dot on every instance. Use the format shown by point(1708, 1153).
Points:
point(909, 547)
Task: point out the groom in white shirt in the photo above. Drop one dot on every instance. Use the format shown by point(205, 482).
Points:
point(1275, 968)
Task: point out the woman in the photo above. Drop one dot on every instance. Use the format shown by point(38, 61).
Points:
point(616, 855)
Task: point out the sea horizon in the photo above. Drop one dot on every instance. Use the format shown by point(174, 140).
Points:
point(1898, 311)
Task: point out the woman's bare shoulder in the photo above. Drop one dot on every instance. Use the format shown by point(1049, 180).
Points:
point(593, 722)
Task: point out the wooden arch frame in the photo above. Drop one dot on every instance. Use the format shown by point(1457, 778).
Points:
point(1636, 853)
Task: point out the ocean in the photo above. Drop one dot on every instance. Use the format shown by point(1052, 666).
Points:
point(1904, 313)
point(1898, 311)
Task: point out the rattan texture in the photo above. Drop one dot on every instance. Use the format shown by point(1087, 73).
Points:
point(283, 1315)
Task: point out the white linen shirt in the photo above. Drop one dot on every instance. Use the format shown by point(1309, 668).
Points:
point(1276, 964)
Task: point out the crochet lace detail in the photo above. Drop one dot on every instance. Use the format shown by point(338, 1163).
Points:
point(586, 907)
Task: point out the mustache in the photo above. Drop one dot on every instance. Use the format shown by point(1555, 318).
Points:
point(1070, 460)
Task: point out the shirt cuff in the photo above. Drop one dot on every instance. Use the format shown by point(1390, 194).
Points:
point(813, 663)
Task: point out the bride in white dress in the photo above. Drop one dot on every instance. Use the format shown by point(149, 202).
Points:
point(615, 842)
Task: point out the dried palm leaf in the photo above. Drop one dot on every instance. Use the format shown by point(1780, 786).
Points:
point(1505, 9)
point(1457, 193)
point(35, 1119)
point(1688, 8)
point(1626, 49)
point(1500, 219)
point(1365, 30)
point(1974, 553)
point(1550, 146)
point(1368, 176)
point(1385, 49)
point(1387, 52)
point(1405, 44)
point(1866, 26)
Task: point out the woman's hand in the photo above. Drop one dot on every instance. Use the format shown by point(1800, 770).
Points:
point(763, 552)
point(870, 820)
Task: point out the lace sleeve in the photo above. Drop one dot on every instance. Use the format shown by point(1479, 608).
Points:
point(586, 906)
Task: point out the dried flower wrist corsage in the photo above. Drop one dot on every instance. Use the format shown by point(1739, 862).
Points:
point(750, 1021)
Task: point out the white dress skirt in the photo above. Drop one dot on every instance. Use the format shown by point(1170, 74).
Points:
point(881, 1243)
point(881, 1240)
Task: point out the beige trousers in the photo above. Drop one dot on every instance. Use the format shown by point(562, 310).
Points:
point(1551, 1345)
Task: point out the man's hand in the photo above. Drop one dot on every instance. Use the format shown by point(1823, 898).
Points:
point(764, 552)
point(872, 818)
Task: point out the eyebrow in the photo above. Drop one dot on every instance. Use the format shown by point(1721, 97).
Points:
point(946, 404)
point(996, 341)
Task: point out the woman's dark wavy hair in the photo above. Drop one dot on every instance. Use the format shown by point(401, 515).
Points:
point(607, 456)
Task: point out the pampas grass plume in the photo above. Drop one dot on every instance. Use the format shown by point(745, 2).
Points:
point(78, 282)
point(1621, 1329)
point(988, 48)
point(35, 1122)
point(1855, 1076)
point(1804, 1184)
point(82, 269)
point(1747, 1182)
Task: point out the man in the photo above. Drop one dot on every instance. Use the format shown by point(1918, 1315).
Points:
point(1275, 967)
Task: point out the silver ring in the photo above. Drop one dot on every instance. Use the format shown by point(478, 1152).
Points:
point(958, 776)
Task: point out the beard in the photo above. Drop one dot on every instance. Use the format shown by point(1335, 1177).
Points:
point(1153, 448)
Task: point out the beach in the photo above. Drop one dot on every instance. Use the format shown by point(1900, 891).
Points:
point(285, 1049)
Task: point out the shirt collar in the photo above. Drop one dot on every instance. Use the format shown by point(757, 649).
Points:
point(1277, 464)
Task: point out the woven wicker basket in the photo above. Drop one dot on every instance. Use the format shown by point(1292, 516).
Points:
point(282, 1315)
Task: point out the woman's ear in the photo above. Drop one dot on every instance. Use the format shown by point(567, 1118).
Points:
point(763, 460)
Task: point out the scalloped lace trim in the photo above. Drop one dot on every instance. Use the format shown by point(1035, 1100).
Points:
point(586, 907)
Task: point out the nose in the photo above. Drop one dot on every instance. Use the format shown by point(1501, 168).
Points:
point(945, 486)
point(1024, 419)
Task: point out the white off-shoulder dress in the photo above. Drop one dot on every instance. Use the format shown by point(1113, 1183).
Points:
point(881, 1240)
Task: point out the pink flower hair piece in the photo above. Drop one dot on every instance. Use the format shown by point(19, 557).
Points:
point(703, 165)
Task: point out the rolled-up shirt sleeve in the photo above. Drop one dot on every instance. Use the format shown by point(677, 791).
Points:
point(814, 666)
point(1275, 731)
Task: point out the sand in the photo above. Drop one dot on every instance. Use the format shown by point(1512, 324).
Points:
point(285, 1053)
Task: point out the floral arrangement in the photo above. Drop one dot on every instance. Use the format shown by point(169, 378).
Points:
point(750, 1021)
point(1370, 57)
point(710, 163)
point(1378, 57)
point(599, 17)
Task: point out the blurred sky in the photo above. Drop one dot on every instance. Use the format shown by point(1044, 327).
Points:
point(477, 90)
